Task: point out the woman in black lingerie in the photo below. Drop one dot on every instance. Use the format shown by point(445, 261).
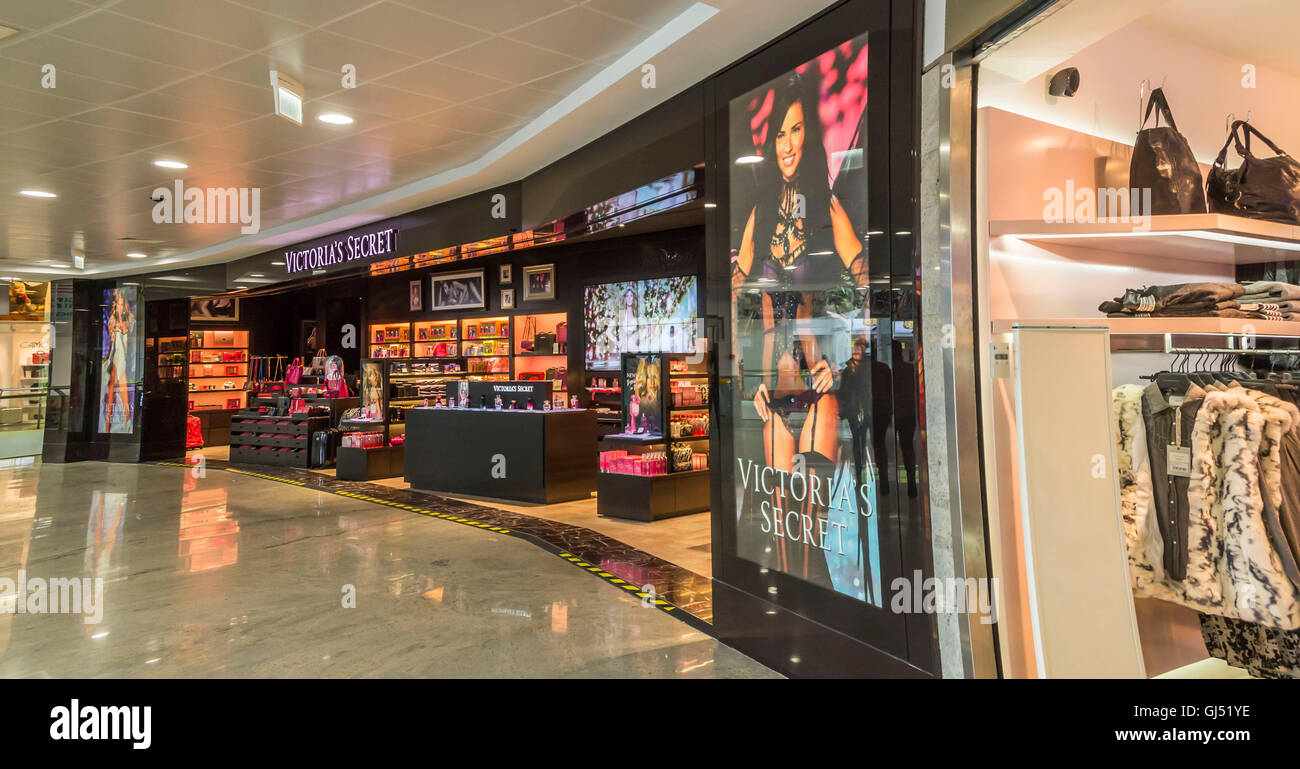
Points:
point(797, 245)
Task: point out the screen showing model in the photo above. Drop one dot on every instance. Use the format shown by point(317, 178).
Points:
point(805, 481)
point(118, 375)
point(639, 316)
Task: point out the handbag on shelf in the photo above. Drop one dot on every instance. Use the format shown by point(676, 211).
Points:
point(337, 387)
point(1163, 162)
point(527, 332)
point(294, 374)
point(318, 362)
point(1260, 188)
point(544, 343)
point(298, 406)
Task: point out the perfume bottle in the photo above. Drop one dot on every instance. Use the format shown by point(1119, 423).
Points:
point(573, 401)
point(531, 405)
point(546, 405)
point(498, 403)
point(482, 402)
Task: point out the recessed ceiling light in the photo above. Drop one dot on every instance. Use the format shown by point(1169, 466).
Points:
point(137, 255)
point(745, 160)
point(278, 264)
point(334, 118)
point(170, 164)
point(57, 266)
point(37, 194)
point(710, 205)
point(256, 275)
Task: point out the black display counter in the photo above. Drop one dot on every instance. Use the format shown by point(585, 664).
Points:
point(653, 497)
point(529, 456)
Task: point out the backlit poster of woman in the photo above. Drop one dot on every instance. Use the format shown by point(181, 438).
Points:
point(119, 365)
point(805, 490)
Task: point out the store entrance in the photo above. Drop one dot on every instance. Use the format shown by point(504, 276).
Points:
point(570, 384)
point(24, 385)
point(1146, 320)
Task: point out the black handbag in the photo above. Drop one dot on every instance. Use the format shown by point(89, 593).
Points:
point(1163, 162)
point(544, 343)
point(1261, 188)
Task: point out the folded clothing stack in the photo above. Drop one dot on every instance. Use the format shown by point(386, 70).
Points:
point(1281, 301)
point(1204, 300)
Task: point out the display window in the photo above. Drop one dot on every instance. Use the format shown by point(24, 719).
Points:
point(1138, 262)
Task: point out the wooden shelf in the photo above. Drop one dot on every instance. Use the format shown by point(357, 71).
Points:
point(1163, 325)
point(1194, 237)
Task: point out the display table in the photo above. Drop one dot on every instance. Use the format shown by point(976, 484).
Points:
point(372, 464)
point(650, 497)
point(530, 456)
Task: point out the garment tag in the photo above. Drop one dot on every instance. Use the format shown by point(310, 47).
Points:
point(1179, 461)
point(1176, 400)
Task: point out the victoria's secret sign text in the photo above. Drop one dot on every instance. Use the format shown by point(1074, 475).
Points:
point(341, 251)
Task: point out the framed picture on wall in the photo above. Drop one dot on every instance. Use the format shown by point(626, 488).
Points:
point(458, 291)
point(417, 295)
point(507, 298)
point(539, 282)
point(506, 277)
point(214, 309)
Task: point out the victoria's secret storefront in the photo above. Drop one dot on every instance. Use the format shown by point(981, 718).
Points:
point(783, 251)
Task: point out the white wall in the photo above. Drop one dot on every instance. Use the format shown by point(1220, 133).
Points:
point(1202, 86)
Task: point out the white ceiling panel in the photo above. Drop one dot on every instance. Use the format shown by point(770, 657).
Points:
point(439, 83)
point(132, 37)
point(313, 12)
point(378, 100)
point(216, 20)
point(571, 30)
point(100, 63)
point(38, 14)
point(509, 60)
point(494, 16)
point(67, 85)
point(471, 119)
point(404, 29)
point(442, 81)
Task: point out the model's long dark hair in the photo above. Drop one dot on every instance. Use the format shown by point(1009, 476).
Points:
point(812, 177)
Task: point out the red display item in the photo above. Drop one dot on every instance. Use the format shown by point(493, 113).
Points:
point(193, 432)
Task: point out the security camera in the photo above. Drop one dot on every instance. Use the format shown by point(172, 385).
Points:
point(1064, 83)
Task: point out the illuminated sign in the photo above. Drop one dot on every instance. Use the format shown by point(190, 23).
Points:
point(341, 250)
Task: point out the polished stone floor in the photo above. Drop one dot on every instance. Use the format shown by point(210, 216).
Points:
point(228, 575)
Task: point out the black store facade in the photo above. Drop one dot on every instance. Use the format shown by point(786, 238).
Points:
point(785, 188)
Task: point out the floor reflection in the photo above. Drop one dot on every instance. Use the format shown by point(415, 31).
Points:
point(218, 574)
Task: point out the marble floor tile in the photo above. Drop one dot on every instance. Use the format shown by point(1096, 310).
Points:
point(604, 543)
point(233, 575)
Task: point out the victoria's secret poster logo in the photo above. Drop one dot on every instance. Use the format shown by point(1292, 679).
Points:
point(341, 251)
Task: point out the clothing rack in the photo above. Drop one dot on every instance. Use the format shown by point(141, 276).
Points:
point(1231, 345)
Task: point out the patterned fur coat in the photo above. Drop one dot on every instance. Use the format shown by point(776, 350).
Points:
point(1232, 569)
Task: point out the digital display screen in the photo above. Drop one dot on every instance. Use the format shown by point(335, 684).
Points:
point(639, 316)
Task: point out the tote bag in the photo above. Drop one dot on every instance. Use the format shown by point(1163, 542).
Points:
point(1163, 162)
point(1261, 188)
